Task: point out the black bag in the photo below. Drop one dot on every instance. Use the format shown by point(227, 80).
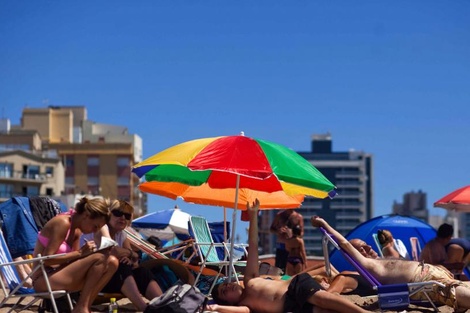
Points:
point(178, 299)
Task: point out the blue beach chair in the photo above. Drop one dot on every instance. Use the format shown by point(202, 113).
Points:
point(13, 286)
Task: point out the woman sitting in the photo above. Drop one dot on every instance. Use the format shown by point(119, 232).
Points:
point(391, 248)
point(79, 269)
point(130, 279)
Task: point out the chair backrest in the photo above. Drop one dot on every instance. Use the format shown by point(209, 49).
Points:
point(10, 273)
point(377, 243)
point(203, 237)
point(401, 248)
point(415, 248)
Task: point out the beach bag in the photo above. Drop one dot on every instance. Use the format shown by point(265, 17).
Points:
point(178, 299)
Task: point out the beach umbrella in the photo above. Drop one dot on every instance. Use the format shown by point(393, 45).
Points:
point(458, 200)
point(164, 224)
point(229, 171)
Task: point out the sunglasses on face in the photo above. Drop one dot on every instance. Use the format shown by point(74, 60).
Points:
point(118, 213)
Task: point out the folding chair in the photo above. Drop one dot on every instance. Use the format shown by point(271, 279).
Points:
point(390, 297)
point(415, 248)
point(206, 248)
point(13, 286)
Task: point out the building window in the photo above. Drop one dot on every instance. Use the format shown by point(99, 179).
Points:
point(30, 191)
point(93, 161)
point(6, 190)
point(70, 181)
point(123, 161)
point(69, 161)
point(123, 181)
point(6, 170)
point(49, 192)
point(31, 171)
point(93, 181)
point(49, 171)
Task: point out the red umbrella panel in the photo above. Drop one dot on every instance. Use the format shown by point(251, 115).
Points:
point(458, 200)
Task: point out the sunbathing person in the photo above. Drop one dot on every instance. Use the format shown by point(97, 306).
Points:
point(79, 269)
point(300, 294)
point(129, 279)
point(397, 271)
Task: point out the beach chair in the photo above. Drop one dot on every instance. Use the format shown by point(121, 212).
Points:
point(207, 249)
point(13, 286)
point(415, 248)
point(390, 297)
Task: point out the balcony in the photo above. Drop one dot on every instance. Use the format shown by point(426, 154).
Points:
point(19, 176)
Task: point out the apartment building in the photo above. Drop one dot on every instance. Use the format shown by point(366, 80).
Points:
point(96, 158)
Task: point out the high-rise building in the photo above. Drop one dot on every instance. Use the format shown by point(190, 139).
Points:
point(352, 173)
point(97, 158)
point(414, 204)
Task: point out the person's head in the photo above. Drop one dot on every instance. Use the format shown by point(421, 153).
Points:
point(227, 293)
point(365, 249)
point(384, 236)
point(280, 220)
point(121, 215)
point(95, 213)
point(445, 231)
point(296, 223)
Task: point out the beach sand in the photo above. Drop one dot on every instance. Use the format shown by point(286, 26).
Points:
point(369, 303)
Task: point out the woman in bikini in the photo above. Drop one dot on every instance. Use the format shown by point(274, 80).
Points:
point(79, 269)
point(297, 257)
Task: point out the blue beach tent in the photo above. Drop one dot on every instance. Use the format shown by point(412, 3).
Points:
point(402, 227)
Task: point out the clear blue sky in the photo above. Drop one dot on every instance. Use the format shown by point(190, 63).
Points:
point(391, 78)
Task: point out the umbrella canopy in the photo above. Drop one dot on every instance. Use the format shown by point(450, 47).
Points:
point(402, 227)
point(458, 200)
point(229, 171)
point(165, 224)
point(236, 163)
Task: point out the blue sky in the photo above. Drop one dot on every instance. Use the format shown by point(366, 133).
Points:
point(391, 78)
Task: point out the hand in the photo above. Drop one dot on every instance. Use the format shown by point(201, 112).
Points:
point(317, 221)
point(212, 307)
point(254, 207)
point(88, 248)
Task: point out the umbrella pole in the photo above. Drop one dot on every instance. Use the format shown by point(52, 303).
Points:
point(234, 221)
point(225, 224)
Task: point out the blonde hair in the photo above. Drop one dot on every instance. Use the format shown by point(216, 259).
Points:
point(122, 205)
point(96, 207)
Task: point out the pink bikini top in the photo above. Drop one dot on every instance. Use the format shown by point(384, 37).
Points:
point(63, 248)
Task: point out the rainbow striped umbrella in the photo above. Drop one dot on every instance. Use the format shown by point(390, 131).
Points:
point(230, 170)
point(211, 170)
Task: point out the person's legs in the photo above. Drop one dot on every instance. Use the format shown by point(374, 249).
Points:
point(146, 284)
point(88, 275)
point(330, 301)
point(131, 291)
point(153, 290)
point(462, 296)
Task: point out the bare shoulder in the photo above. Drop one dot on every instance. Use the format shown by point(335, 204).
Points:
point(59, 223)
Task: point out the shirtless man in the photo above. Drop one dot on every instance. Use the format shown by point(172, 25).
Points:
point(396, 271)
point(301, 294)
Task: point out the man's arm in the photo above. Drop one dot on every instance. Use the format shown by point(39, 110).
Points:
point(252, 266)
point(227, 308)
point(342, 242)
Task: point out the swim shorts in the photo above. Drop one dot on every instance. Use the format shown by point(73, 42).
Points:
point(443, 295)
point(301, 288)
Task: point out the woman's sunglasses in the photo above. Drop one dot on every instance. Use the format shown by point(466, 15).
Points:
point(118, 213)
